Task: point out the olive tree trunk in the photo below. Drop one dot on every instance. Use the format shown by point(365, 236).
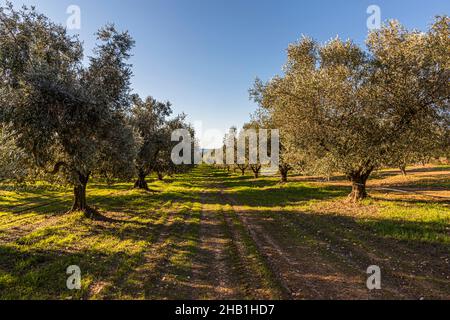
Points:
point(79, 190)
point(140, 182)
point(359, 180)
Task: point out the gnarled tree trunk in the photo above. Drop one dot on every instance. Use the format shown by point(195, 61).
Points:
point(79, 190)
point(359, 180)
point(140, 182)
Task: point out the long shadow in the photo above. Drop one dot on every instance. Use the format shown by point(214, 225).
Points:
point(276, 196)
point(392, 230)
point(430, 200)
point(300, 178)
point(112, 187)
point(139, 231)
point(402, 246)
point(245, 182)
point(374, 175)
point(31, 188)
point(391, 173)
point(428, 169)
point(41, 274)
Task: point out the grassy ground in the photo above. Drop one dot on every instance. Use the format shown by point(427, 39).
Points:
point(210, 235)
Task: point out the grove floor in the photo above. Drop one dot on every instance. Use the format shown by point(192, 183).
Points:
point(211, 234)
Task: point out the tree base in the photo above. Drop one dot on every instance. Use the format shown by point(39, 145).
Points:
point(359, 180)
point(88, 212)
point(358, 193)
point(141, 184)
point(141, 187)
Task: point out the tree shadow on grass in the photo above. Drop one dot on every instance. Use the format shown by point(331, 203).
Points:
point(245, 182)
point(427, 169)
point(320, 179)
point(283, 195)
point(429, 199)
point(139, 198)
point(380, 174)
point(137, 230)
point(427, 236)
point(41, 274)
point(288, 195)
point(28, 272)
point(418, 250)
point(112, 187)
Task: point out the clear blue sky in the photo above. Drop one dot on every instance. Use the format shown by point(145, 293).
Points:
point(203, 55)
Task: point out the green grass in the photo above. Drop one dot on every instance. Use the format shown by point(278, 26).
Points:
point(39, 240)
point(33, 266)
point(414, 220)
point(423, 222)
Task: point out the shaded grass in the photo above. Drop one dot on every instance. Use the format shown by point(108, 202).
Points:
point(38, 243)
point(37, 246)
point(414, 219)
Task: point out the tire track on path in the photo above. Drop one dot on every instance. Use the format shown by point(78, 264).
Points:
point(301, 270)
point(213, 276)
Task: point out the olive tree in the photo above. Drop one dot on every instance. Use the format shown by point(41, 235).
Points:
point(241, 164)
point(353, 107)
point(65, 115)
point(229, 148)
point(164, 164)
point(289, 156)
point(149, 119)
point(255, 166)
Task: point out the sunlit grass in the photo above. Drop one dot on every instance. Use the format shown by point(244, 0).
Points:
point(39, 239)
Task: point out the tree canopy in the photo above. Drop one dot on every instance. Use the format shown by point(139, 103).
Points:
point(353, 107)
point(62, 112)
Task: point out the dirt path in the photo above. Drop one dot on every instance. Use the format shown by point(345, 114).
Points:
point(227, 264)
point(293, 268)
point(213, 274)
point(300, 268)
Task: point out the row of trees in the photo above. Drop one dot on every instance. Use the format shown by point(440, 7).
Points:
point(75, 119)
point(256, 142)
point(341, 108)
